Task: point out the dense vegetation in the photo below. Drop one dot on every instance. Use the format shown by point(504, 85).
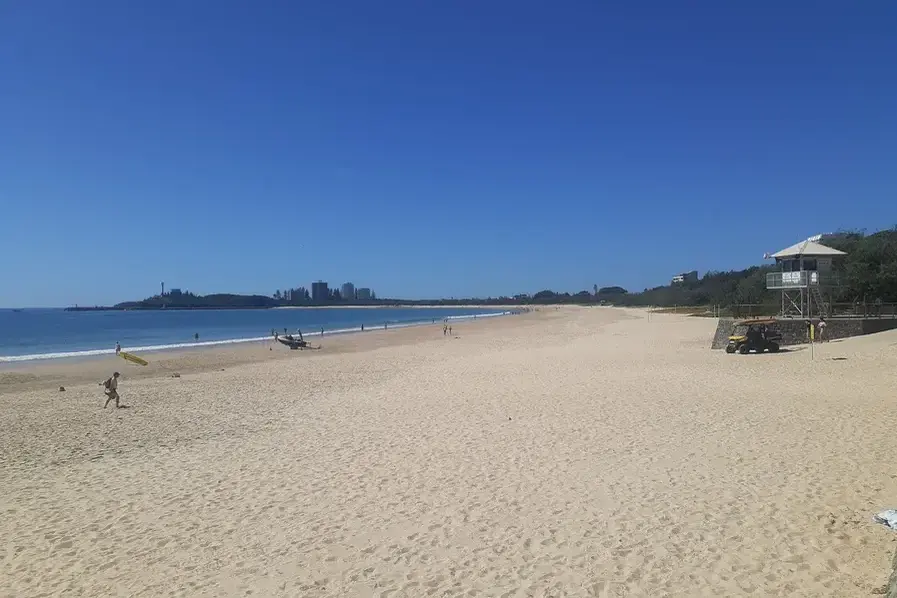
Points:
point(868, 274)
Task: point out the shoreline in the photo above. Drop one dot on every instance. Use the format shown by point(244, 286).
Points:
point(84, 353)
point(408, 306)
point(51, 373)
point(77, 308)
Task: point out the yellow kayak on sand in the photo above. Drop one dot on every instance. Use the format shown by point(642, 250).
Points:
point(133, 358)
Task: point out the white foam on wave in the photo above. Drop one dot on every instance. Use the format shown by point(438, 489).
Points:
point(232, 341)
point(477, 316)
point(96, 352)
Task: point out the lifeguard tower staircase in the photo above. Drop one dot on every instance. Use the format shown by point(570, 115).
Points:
point(805, 279)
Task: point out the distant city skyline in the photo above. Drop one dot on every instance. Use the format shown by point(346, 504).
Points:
point(347, 291)
point(320, 291)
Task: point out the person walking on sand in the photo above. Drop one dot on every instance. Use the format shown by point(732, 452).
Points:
point(117, 347)
point(444, 329)
point(111, 390)
point(821, 328)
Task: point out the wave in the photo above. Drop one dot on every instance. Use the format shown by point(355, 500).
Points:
point(96, 352)
point(478, 316)
point(232, 341)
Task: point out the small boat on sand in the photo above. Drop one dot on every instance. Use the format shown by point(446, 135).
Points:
point(293, 342)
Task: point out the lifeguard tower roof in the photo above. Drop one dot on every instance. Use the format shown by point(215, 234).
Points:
point(806, 248)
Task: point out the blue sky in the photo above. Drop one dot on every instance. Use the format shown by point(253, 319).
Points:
point(431, 149)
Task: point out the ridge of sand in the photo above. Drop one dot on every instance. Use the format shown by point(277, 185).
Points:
point(592, 453)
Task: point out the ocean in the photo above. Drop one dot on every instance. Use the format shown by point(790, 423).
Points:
point(55, 333)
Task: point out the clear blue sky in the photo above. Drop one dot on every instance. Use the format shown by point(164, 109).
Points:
point(431, 148)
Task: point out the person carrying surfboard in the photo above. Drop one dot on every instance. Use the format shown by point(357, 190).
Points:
point(111, 389)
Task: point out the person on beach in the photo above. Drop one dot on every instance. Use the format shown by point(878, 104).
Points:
point(821, 328)
point(450, 331)
point(444, 329)
point(111, 390)
point(117, 347)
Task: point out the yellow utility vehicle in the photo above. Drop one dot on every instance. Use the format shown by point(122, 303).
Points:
point(759, 335)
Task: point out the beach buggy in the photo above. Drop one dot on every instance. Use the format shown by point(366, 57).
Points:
point(757, 335)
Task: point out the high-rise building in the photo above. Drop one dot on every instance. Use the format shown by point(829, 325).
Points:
point(320, 292)
point(685, 277)
point(363, 294)
point(347, 291)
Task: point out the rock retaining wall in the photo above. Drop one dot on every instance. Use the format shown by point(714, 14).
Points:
point(794, 331)
point(724, 328)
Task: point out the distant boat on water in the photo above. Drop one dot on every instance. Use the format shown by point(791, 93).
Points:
point(18, 310)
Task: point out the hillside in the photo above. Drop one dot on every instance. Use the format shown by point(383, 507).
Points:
point(868, 273)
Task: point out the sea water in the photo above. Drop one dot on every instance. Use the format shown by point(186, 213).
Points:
point(55, 333)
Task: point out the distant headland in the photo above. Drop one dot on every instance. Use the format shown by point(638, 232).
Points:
point(189, 301)
point(868, 274)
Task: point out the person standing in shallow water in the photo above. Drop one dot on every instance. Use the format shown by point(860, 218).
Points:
point(117, 348)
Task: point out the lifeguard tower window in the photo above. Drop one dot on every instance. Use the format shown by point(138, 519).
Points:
point(806, 264)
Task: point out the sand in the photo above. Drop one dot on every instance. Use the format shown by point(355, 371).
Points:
point(579, 452)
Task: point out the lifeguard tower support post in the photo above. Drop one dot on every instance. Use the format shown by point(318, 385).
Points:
point(805, 278)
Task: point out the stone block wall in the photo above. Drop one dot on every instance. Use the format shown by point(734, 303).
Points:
point(724, 328)
point(794, 332)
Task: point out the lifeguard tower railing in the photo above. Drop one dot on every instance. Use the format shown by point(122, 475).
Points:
point(806, 293)
point(801, 280)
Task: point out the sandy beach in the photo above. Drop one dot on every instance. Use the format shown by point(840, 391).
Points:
point(572, 452)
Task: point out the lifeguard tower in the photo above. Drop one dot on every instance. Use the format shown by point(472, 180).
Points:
point(805, 279)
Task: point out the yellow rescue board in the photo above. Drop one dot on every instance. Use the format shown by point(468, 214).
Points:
point(133, 358)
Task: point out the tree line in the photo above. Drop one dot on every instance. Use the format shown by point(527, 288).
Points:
point(867, 274)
